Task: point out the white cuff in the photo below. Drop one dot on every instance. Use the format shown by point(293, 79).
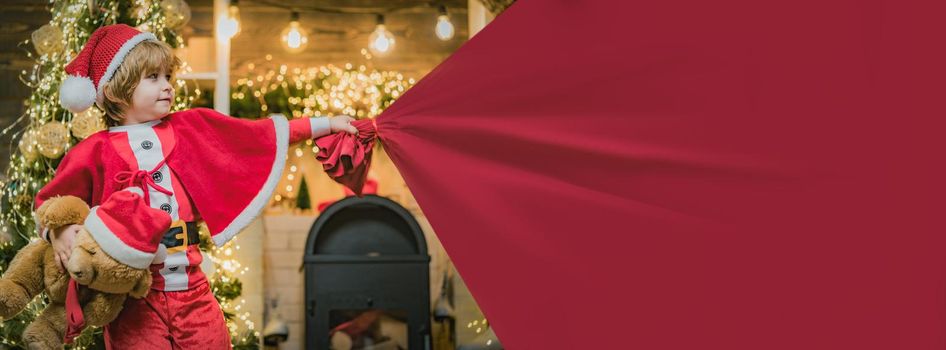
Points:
point(320, 127)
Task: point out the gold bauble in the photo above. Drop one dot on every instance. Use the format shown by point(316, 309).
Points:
point(87, 123)
point(28, 145)
point(47, 39)
point(176, 13)
point(23, 199)
point(53, 139)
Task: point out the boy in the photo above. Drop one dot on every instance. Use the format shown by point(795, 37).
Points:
point(193, 164)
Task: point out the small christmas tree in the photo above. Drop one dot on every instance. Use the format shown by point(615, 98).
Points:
point(302, 200)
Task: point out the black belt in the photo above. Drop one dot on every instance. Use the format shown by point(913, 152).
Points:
point(181, 233)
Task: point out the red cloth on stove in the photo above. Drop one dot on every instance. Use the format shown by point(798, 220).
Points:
point(370, 187)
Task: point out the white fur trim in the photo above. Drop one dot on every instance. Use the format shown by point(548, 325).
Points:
point(262, 198)
point(320, 126)
point(113, 246)
point(117, 61)
point(77, 93)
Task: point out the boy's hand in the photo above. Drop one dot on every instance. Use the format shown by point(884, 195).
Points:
point(342, 123)
point(62, 240)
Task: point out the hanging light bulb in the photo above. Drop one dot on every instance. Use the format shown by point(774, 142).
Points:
point(444, 28)
point(230, 24)
point(234, 13)
point(294, 38)
point(381, 40)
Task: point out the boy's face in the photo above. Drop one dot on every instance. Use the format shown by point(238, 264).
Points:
point(152, 98)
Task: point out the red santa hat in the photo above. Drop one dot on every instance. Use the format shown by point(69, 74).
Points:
point(96, 64)
point(127, 228)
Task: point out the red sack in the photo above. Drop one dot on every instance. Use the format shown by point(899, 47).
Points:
point(687, 174)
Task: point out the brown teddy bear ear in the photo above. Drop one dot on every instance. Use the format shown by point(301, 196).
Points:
point(61, 211)
point(143, 286)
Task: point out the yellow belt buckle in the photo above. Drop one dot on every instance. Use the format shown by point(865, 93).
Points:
point(182, 236)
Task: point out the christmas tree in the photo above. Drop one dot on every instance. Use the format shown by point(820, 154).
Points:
point(46, 131)
point(302, 201)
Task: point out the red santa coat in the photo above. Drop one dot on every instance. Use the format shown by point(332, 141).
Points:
point(228, 166)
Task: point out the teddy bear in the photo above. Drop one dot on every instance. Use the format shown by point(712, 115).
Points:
point(112, 251)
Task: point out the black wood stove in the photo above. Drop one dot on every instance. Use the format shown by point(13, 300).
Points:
point(364, 257)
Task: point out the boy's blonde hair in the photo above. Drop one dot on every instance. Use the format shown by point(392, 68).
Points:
point(147, 57)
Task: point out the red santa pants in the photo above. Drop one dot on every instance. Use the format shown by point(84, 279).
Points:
point(189, 319)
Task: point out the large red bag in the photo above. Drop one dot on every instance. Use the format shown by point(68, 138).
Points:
point(689, 174)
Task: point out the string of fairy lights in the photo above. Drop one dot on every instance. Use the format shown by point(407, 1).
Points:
point(481, 326)
point(327, 90)
point(226, 268)
point(295, 38)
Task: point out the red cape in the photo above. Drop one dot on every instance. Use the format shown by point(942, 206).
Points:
point(229, 167)
point(689, 174)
